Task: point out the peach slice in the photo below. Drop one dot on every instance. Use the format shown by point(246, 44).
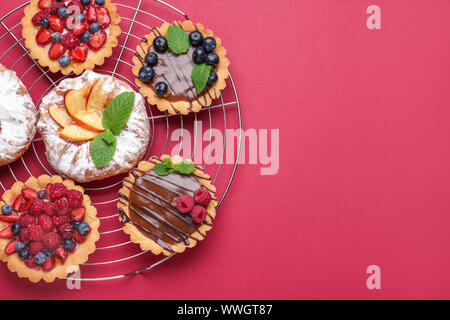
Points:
point(77, 133)
point(75, 100)
point(97, 97)
point(91, 120)
point(60, 115)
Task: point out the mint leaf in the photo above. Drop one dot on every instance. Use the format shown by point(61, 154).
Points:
point(177, 40)
point(102, 152)
point(118, 112)
point(168, 163)
point(200, 75)
point(161, 170)
point(185, 167)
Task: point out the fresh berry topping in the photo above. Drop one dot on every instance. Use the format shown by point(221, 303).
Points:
point(185, 203)
point(51, 240)
point(49, 264)
point(24, 235)
point(199, 55)
point(35, 247)
point(37, 207)
point(20, 246)
point(57, 190)
point(56, 37)
point(209, 44)
point(75, 6)
point(36, 20)
point(6, 209)
point(56, 6)
point(41, 193)
point(91, 14)
point(98, 40)
point(26, 220)
point(64, 61)
point(63, 12)
point(15, 228)
point(68, 244)
point(11, 218)
point(40, 258)
point(202, 197)
point(160, 44)
point(47, 191)
point(83, 228)
point(25, 206)
point(99, 2)
point(62, 207)
point(36, 232)
point(75, 224)
point(161, 88)
point(24, 254)
point(49, 209)
point(59, 220)
point(43, 37)
point(79, 28)
point(79, 238)
point(198, 214)
point(103, 17)
point(151, 59)
point(70, 41)
point(56, 23)
point(75, 198)
point(66, 230)
point(95, 26)
point(11, 247)
point(86, 36)
point(195, 38)
point(30, 263)
point(61, 253)
point(45, 23)
point(78, 214)
point(45, 222)
point(56, 50)
point(80, 18)
point(146, 74)
point(85, 2)
point(45, 4)
point(49, 253)
point(79, 54)
point(212, 59)
point(212, 78)
point(17, 203)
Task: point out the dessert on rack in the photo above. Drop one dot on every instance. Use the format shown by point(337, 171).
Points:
point(70, 36)
point(167, 205)
point(18, 117)
point(181, 67)
point(48, 227)
point(94, 126)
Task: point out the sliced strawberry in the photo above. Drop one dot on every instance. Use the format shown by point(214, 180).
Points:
point(75, 7)
point(47, 191)
point(78, 214)
point(25, 206)
point(29, 194)
point(56, 23)
point(17, 203)
point(45, 4)
point(61, 253)
point(79, 54)
point(98, 40)
point(10, 218)
point(79, 238)
point(91, 14)
point(44, 37)
point(49, 264)
point(6, 233)
point(69, 23)
point(103, 17)
point(36, 20)
point(11, 247)
point(56, 50)
point(79, 28)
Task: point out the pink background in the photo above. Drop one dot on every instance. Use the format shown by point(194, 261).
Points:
point(364, 159)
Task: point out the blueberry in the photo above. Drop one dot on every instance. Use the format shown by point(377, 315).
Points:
point(63, 12)
point(161, 88)
point(212, 78)
point(151, 59)
point(146, 74)
point(80, 18)
point(40, 258)
point(99, 2)
point(209, 44)
point(64, 61)
point(86, 36)
point(75, 224)
point(160, 44)
point(85, 2)
point(212, 59)
point(15, 228)
point(45, 23)
point(49, 253)
point(95, 26)
point(6, 209)
point(199, 55)
point(69, 244)
point(24, 254)
point(196, 39)
point(20, 246)
point(56, 37)
point(83, 228)
point(42, 194)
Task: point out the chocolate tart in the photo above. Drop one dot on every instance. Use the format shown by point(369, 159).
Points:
point(148, 208)
point(176, 70)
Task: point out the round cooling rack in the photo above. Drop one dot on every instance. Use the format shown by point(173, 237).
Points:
point(116, 256)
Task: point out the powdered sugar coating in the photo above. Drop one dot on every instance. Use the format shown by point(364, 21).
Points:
point(18, 116)
point(72, 159)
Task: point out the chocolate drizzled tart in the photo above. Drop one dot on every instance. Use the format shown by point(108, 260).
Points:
point(167, 204)
point(181, 67)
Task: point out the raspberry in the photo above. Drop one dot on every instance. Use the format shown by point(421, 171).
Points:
point(59, 220)
point(30, 263)
point(26, 220)
point(185, 203)
point(36, 246)
point(202, 197)
point(57, 190)
point(70, 41)
point(66, 230)
point(45, 222)
point(36, 232)
point(36, 20)
point(37, 207)
point(24, 235)
point(49, 209)
point(51, 240)
point(198, 214)
point(62, 207)
point(55, 7)
point(75, 198)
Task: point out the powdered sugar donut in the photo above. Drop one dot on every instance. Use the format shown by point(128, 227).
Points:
point(18, 116)
point(68, 136)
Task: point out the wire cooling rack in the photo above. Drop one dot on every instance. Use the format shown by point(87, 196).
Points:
point(116, 257)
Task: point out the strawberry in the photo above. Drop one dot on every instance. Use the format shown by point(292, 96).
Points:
point(25, 206)
point(103, 17)
point(91, 14)
point(79, 54)
point(11, 247)
point(69, 23)
point(47, 191)
point(79, 238)
point(75, 7)
point(56, 23)
point(43, 37)
point(79, 28)
point(78, 214)
point(98, 40)
point(61, 253)
point(17, 203)
point(36, 20)
point(45, 4)
point(6, 233)
point(49, 264)
point(29, 194)
point(56, 50)
point(10, 218)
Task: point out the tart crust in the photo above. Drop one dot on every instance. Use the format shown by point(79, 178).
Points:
point(94, 58)
point(83, 250)
point(206, 98)
point(146, 243)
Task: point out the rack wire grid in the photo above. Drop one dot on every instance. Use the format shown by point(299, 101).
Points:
point(116, 256)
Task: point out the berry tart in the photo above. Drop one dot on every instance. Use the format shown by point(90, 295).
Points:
point(181, 67)
point(18, 117)
point(48, 227)
point(70, 36)
point(167, 204)
point(93, 126)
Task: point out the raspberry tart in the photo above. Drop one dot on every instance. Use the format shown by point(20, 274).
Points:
point(93, 126)
point(47, 227)
point(167, 205)
point(18, 117)
point(181, 67)
point(70, 36)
